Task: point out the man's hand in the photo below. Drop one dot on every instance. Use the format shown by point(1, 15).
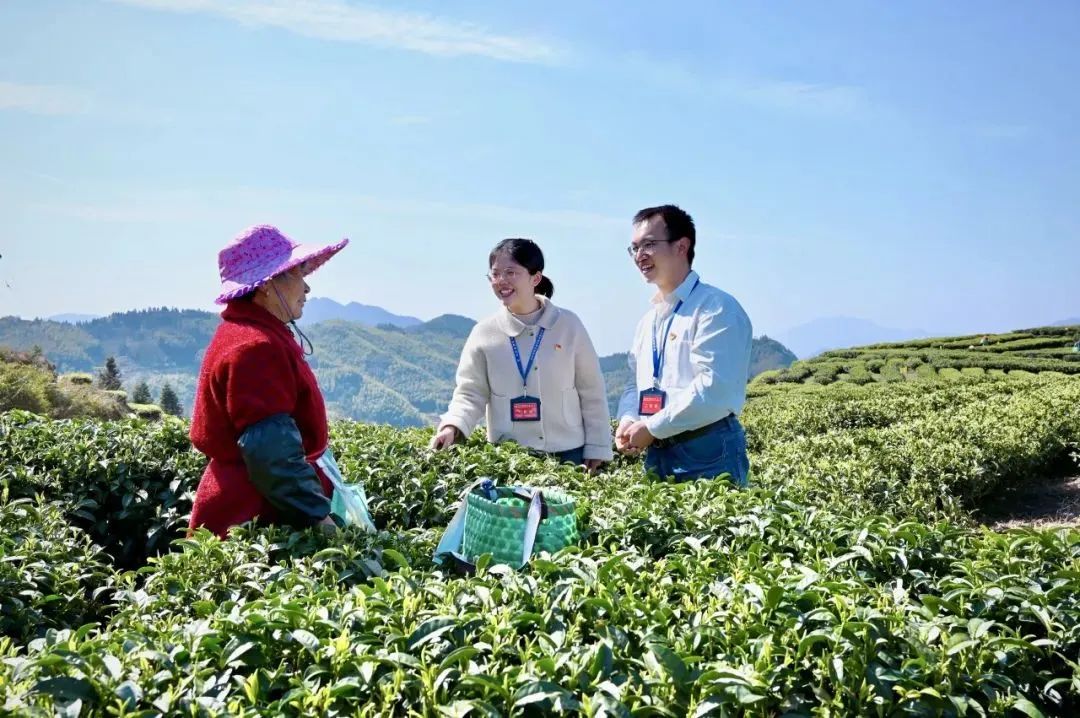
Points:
point(638, 435)
point(593, 465)
point(444, 438)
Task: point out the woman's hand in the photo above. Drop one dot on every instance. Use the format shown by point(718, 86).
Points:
point(593, 465)
point(328, 525)
point(444, 438)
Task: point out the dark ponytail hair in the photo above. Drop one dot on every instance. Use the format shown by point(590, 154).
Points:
point(526, 253)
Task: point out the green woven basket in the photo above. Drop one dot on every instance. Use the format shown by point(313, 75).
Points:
point(498, 527)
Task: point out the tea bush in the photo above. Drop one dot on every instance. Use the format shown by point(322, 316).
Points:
point(685, 600)
point(129, 483)
point(847, 581)
point(51, 574)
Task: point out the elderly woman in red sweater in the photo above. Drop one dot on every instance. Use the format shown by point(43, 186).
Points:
point(259, 415)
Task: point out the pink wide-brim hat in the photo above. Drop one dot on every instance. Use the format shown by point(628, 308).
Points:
point(260, 253)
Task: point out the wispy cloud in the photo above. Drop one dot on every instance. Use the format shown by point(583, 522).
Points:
point(162, 206)
point(116, 213)
point(51, 179)
point(348, 22)
point(407, 120)
point(797, 96)
point(803, 96)
point(126, 205)
point(556, 218)
point(43, 99)
point(1003, 132)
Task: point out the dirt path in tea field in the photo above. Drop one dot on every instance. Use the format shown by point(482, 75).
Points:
point(1044, 504)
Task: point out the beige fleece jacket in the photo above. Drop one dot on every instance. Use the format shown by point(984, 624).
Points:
point(565, 376)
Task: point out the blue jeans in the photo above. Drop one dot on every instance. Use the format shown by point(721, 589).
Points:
point(721, 450)
point(570, 456)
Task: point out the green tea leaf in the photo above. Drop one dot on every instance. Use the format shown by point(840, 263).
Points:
point(430, 630)
point(307, 639)
point(1027, 708)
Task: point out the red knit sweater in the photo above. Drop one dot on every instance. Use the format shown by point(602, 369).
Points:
point(252, 369)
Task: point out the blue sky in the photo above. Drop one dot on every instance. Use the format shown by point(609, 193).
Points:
point(912, 163)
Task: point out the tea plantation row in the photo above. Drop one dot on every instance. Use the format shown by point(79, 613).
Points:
point(848, 582)
point(1047, 349)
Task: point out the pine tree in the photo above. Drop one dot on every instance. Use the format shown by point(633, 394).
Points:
point(141, 394)
point(109, 378)
point(169, 401)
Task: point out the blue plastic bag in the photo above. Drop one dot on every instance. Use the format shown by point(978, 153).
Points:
point(349, 503)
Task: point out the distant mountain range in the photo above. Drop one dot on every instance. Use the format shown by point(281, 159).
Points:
point(317, 309)
point(321, 309)
point(810, 339)
point(401, 375)
point(73, 318)
point(1074, 321)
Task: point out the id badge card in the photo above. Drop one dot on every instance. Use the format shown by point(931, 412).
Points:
point(525, 408)
point(651, 401)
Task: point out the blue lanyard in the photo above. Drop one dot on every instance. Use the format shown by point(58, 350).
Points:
point(658, 354)
point(524, 370)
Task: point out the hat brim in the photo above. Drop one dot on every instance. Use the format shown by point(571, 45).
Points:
point(310, 255)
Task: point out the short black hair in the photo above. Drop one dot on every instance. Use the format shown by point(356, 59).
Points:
point(679, 224)
point(526, 253)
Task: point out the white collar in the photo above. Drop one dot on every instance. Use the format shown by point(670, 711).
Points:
point(681, 293)
point(513, 327)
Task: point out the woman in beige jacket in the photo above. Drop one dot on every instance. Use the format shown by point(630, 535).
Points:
point(531, 368)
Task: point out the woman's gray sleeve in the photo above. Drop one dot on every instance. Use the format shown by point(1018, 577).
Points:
point(274, 455)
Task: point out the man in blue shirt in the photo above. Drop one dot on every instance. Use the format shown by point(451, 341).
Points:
point(689, 361)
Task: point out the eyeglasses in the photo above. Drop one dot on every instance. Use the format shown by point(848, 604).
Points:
point(510, 275)
point(648, 247)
